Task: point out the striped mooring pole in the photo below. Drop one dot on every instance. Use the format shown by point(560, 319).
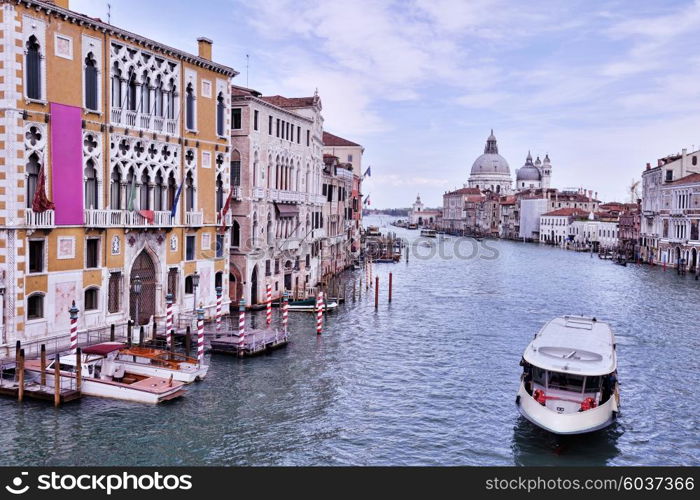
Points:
point(219, 293)
point(319, 313)
point(73, 328)
point(268, 305)
point(241, 321)
point(285, 311)
point(169, 320)
point(200, 334)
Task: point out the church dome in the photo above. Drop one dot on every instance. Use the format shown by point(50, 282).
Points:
point(490, 162)
point(528, 172)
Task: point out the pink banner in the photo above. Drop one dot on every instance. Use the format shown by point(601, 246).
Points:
point(67, 164)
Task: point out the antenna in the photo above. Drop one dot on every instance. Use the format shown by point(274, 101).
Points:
point(109, 13)
point(247, 69)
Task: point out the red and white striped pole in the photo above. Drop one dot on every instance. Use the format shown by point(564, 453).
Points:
point(285, 312)
point(268, 312)
point(169, 320)
point(200, 334)
point(241, 323)
point(73, 328)
point(219, 293)
point(319, 313)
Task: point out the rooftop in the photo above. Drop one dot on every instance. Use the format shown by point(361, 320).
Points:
point(567, 212)
point(333, 140)
point(290, 102)
point(466, 190)
point(688, 179)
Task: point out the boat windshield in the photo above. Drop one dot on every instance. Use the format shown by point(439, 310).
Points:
point(565, 382)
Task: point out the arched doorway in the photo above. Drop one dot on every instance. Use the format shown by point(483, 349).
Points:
point(693, 259)
point(145, 269)
point(254, 286)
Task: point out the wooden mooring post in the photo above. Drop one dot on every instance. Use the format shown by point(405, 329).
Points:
point(111, 332)
point(391, 279)
point(19, 366)
point(376, 292)
point(154, 331)
point(18, 346)
point(188, 341)
point(128, 333)
point(57, 381)
point(43, 365)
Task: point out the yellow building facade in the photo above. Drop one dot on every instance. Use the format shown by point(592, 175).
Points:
point(118, 129)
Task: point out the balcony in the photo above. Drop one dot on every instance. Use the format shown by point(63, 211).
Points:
point(237, 193)
point(258, 193)
point(315, 199)
point(194, 219)
point(40, 220)
point(285, 196)
point(228, 219)
point(142, 121)
point(123, 218)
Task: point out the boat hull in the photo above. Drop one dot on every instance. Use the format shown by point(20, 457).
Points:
point(567, 423)
point(154, 371)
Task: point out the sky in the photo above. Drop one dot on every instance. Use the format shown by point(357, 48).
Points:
point(603, 87)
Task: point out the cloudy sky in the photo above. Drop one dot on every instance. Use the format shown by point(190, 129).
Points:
point(602, 86)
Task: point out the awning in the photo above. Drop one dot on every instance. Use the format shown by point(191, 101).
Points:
point(287, 210)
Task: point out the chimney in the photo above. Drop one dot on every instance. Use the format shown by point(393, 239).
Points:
point(648, 166)
point(64, 4)
point(204, 48)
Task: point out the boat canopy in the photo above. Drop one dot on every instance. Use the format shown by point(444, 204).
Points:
point(104, 348)
point(574, 344)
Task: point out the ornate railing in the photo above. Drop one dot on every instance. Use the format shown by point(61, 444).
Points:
point(39, 219)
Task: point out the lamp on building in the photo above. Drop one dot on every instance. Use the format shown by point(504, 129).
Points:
point(195, 284)
point(136, 287)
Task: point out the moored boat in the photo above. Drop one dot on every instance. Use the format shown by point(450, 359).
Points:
point(103, 376)
point(428, 233)
point(161, 363)
point(569, 381)
point(309, 305)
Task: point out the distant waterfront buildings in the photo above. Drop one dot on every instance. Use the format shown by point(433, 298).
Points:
point(419, 216)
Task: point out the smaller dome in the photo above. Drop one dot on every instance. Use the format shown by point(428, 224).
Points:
point(538, 162)
point(528, 172)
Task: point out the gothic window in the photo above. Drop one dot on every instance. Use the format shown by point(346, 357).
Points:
point(143, 192)
point(33, 167)
point(91, 186)
point(220, 108)
point(219, 193)
point(91, 88)
point(171, 100)
point(190, 107)
point(130, 188)
point(131, 97)
point(33, 67)
point(236, 234)
point(146, 95)
point(116, 87)
point(270, 234)
point(115, 195)
point(189, 192)
point(172, 190)
point(158, 96)
point(158, 190)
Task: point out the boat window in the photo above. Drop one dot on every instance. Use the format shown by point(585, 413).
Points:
point(565, 382)
point(592, 384)
point(538, 375)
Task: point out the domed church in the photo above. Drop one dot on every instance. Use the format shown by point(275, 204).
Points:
point(491, 170)
point(533, 175)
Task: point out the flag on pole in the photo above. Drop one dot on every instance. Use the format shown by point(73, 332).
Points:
point(368, 172)
point(132, 194)
point(41, 202)
point(366, 201)
point(224, 210)
point(173, 209)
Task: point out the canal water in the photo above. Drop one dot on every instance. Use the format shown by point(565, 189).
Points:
point(428, 380)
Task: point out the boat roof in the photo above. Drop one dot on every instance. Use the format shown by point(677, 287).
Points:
point(104, 348)
point(574, 344)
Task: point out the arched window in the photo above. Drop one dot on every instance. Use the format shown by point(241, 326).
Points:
point(158, 96)
point(236, 234)
point(144, 202)
point(33, 68)
point(115, 191)
point(131, 94)
point(130, 188)
point(91, 302)
point(33, 168)
point(219, 193)
point(270, 234)
point(189, 192)
point(218, 279)
point(158, 190)
point(189, 285)
point(90, 82)
point(220, 108)
point(190, 107)
point(91, 187)
point(171, 100)
point(172, 190)
point(35, 306)
point(116, 87)
point(146, 95)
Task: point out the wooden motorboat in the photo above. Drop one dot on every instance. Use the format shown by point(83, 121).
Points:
point(162, 363)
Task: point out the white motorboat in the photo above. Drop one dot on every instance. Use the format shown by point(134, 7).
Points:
point(309, 305)
point(103, 376)
point(161, 363)
point(428, 233)
point(569, 382)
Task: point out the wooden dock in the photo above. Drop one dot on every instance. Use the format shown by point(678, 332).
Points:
point(253, 343)
point(33, 390)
